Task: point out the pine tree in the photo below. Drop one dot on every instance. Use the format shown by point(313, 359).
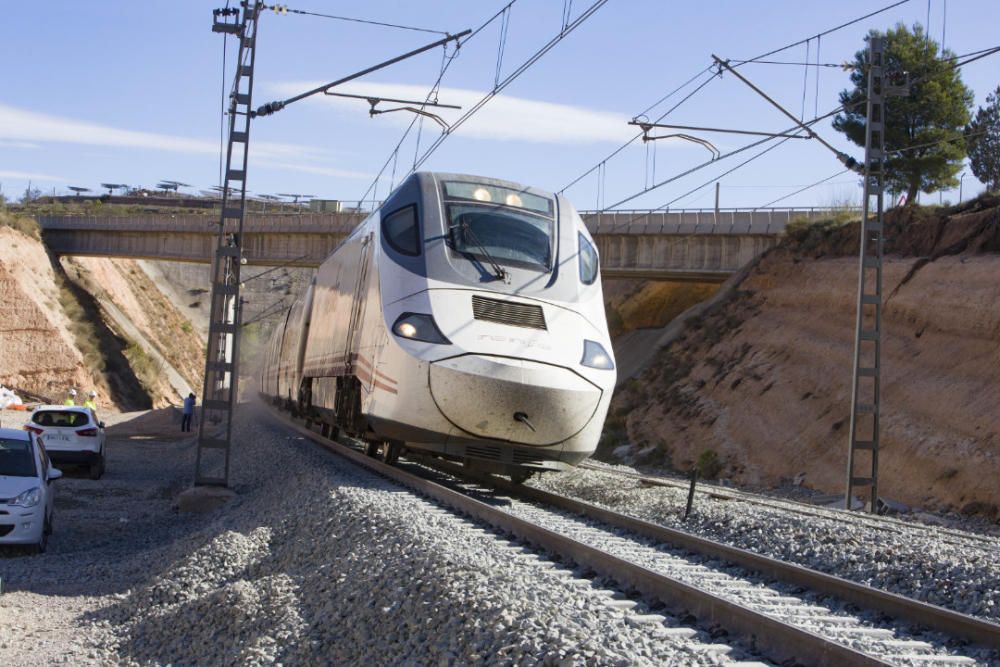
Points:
point(983, 137)
point(926, 126)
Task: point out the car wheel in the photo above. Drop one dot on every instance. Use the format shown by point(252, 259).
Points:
point(43, 542)
point(97, 469)
point(48, 525)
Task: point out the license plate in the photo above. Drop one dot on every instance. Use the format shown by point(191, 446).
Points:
point(57, 437)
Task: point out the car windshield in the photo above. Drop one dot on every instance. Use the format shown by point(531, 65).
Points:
point(507, 235)
point(16, 459)
point(70, 418)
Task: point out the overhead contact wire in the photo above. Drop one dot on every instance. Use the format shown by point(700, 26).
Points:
point(710, 67)
point(801, 190)
point(658, 119)
point(356, 20)
point(510, 78)
point(446, 63)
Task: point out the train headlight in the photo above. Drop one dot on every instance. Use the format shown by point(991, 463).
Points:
point(595, 356)
point(417, 326)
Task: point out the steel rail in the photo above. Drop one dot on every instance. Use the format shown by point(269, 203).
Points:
point(937, 618)
point(775, 639)
point(886, 523)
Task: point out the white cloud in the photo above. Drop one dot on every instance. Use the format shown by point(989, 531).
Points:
point(18, 144)
point(29, 176)
point(504, 118)
point(20, 126)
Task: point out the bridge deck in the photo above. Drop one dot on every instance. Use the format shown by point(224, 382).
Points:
point(702, 245)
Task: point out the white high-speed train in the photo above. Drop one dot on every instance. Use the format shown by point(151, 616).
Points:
point(463, 318)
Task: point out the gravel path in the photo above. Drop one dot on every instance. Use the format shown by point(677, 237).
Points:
point(315, 562)
point(963, 575)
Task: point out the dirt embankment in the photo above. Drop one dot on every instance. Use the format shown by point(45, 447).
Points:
point(38, 352)
point(164, 349)
point(96, 324)
point(638, 310)
point(762, 379)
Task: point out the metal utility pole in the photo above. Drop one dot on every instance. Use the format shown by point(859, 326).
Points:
point(865, 386)
point(221, 392)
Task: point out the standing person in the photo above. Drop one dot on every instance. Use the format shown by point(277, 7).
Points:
point(187, 412)
point(91, 401)
point(70, 397)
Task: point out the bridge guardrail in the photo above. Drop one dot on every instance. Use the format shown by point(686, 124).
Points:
point(700, 221)
point(765, 222)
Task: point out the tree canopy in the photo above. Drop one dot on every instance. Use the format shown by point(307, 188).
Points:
point(983, 136)
point(927, 125)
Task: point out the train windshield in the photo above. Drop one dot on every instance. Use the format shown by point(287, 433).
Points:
point(500, 225)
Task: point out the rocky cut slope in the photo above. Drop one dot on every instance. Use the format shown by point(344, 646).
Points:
point(760, 381)
point(38, 352)
point(94, 323)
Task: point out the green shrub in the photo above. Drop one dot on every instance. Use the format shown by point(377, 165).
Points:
point(146, 367)
point(709, 465)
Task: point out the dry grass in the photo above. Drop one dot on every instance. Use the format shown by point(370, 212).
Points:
point(84, 332)
point(146, 367)
point(22, 223)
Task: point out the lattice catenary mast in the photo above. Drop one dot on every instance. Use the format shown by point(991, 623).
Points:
point(866, 380)
point(220, 394)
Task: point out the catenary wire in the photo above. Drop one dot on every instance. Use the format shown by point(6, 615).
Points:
point(447, 61)
point(976, 55)
point(725, 173)
point(983, 54)
point(785, 62)
point(356, 20)
point(587, 13)
point(657, 120)
point(737, 63)
point(803, 189)
point(222, 105)
point(722, 157)
point(827, 32)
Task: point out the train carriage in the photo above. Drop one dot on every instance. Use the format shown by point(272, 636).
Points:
point(463, 318)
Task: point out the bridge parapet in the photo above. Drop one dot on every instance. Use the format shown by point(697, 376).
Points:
point(324, 223)
point(763, 221)
point(674, 245)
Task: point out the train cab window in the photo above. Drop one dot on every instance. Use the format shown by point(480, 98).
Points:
point(510, 237)
point(588, 261)
point(400, 230)
point(499, 224)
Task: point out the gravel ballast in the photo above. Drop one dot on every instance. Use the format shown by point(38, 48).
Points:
point(921, 562)
point(314, 562)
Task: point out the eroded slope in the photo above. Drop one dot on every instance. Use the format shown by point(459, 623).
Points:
point(763, 379)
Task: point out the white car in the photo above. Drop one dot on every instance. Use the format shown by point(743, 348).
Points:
point(26, 491)
point(71, 435)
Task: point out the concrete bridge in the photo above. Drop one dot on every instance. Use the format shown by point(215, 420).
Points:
point(685, 245)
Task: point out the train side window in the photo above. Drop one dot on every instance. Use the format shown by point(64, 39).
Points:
point(400, 230)
point(588, 261)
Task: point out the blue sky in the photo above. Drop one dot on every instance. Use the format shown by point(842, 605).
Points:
point(129, 92)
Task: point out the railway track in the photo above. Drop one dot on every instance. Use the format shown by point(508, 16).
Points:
point(885, 523)
point(784, 612)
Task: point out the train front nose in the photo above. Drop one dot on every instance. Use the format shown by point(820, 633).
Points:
point(517, 400)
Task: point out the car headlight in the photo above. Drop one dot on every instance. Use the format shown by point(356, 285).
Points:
point(595, 356)
point(416, 326)
point(29, 498)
